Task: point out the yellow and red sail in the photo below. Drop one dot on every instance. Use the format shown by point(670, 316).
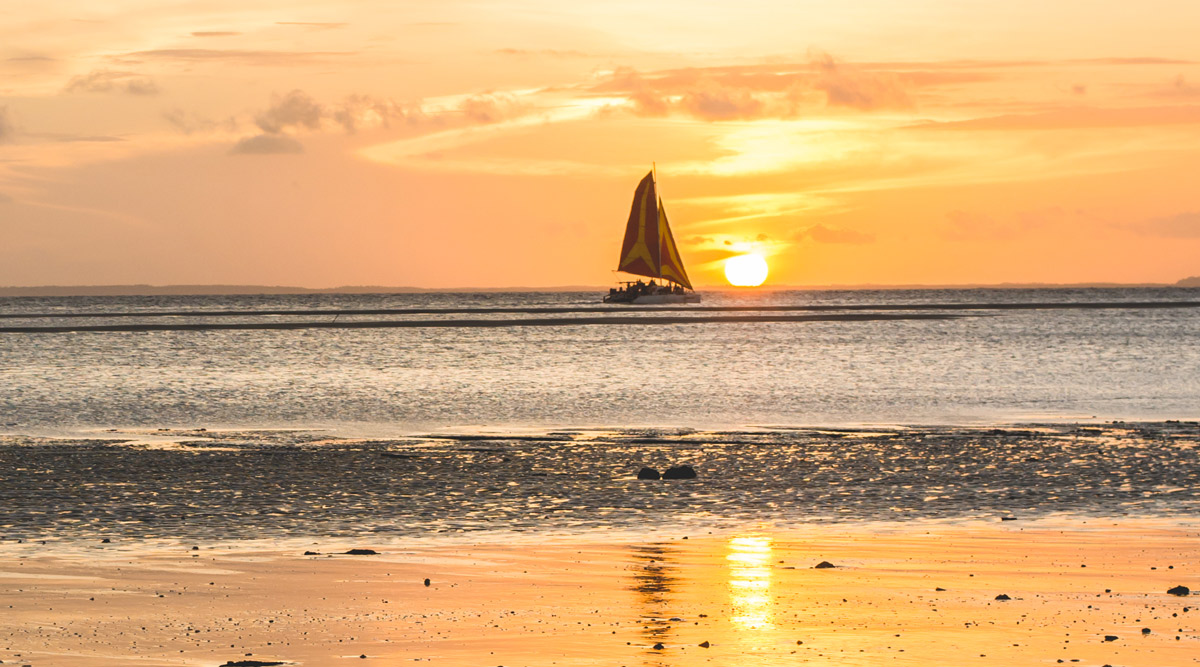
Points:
point(649, 247)
point(670, 266)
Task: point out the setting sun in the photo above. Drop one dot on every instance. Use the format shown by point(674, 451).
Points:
point(746, 270)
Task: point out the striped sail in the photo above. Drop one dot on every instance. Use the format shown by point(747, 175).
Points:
point(670, 265)
point(640, 250)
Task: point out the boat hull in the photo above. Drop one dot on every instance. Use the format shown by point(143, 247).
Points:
point(658, 299)
point(651, 299)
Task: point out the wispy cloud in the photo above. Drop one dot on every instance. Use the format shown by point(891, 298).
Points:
point(295, 109)
point(6, 127)
point(315, 25)
point(976, 226)
point(30, 59)
point(770, 91)
point(1179, 87)
point(1184, 225)
point(543, 53)
point(215, 33)
point(492, 107)
point(111, 81)
point(825, 234)
point(858, 88)
point(234, 56)
point(297, 112)
point(267, 144)
point(1075, 118)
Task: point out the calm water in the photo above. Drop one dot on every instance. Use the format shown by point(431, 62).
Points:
point(377, 432)
point(983, 365)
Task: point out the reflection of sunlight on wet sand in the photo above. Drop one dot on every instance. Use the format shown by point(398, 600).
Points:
point(750, 582)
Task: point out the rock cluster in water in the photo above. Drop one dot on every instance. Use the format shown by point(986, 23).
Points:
point(674, 472)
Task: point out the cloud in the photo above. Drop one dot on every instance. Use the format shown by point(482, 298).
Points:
point(106, 81)
point(971, 226)
point(234, 56)
point(785, 91)
point(30, 59)
point(1074, 118)
point(848, 86)
point(491, 107)
point(365, 111)
point(823, 234)
point(188, 123)
point(543, 53)
point(713, 102)
point(298, 110)
point(215, 33)
point(1133, 61)
point(1179, 87)
point(700, 240)
point(6, 128)
point(267, 144)
point(1179, 226)
point(315, 25)
point(295, 109)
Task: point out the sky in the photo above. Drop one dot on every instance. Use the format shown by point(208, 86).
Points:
point(458, 143)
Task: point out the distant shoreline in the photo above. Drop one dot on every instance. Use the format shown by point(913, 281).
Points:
point(246, 290)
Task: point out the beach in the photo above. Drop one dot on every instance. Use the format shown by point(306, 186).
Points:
point(981, 477)
point(921, 593)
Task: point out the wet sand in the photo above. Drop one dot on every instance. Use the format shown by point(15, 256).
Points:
point(609, 597)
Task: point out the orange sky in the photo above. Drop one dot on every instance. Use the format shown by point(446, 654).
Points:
point(452, 143)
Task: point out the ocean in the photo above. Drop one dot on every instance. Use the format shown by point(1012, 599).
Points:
point(456, 413)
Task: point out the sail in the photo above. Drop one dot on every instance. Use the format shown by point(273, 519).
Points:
point(640, 250)
point(670, 265)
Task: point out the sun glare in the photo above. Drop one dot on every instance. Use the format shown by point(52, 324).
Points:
point(746, 270)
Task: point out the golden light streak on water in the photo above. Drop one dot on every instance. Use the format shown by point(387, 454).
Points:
point(749, 561)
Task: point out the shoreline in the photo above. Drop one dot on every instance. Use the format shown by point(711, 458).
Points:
point(918, 594)
point(351, 430)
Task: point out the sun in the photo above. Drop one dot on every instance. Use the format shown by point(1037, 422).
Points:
point(746, 270)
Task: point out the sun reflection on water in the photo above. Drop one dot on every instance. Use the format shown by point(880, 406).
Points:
point(749, 561)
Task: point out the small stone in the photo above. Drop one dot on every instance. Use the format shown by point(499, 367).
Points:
point(680, 472)
point(312, 553)
point(659, 646)
point(1111, 638)
point(1181, 591)
point(1145, 631)
point(427, 582)
point(940, 589)
point(362, 552)
point(648, 473)
point(704, 644)
point(106, 541)
point(1003, 597)
point(823, 565)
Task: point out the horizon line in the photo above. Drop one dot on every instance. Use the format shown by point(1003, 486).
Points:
point(223, 289)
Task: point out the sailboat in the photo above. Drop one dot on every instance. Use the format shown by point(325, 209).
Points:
point(649, 250)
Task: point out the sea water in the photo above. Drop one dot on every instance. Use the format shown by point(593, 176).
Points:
point(993, 411)
point(983, 365)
